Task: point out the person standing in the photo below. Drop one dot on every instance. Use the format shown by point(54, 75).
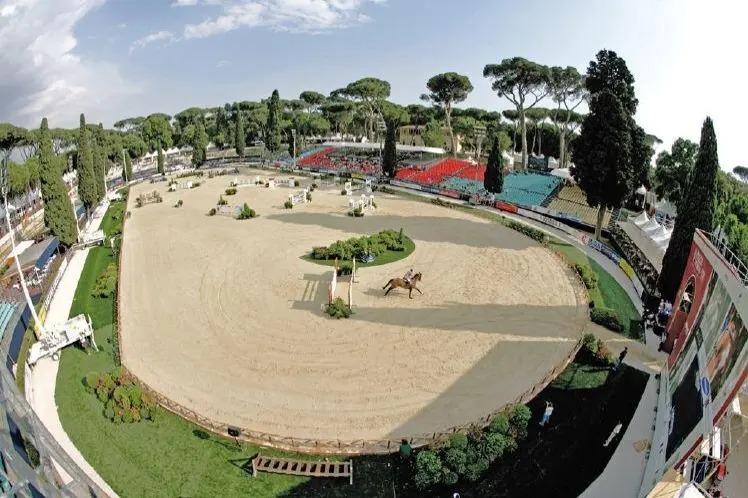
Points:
point(547, 414)
point(620, 358)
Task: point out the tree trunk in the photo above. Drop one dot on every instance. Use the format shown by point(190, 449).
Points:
point(540, 142)
point(599, 225)
point(561, 148)
point(523, 131)
point(534, 137)
point(447, 113)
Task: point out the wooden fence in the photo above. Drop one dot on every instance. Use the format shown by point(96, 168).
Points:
point(338, 446)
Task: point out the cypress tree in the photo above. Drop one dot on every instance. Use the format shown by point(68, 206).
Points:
point(696, 212)
point(84, 163)
point(240, 136)
point(99, 163)
point(273, 128)
point(199, 145)
point(58, 211)
point(128, 167)
point(389, 154)
point(160, 160)
point(493, 180)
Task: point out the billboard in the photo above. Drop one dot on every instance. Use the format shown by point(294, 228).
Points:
point(688, 301)
point(724, 350)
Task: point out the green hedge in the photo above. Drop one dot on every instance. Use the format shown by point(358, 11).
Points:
point(607, 318)
point(358, 247)
point(123, 400)
point(588, 276)
point(531, 232)
point(106, 284)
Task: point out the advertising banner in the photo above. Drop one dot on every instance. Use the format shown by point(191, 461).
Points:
point(598, 246)
point(695, 284)
point(546, 220)
point(503, 206)
point(450, 193)
point(725, 350)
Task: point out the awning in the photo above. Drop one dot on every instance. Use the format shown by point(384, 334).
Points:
point(563, 173)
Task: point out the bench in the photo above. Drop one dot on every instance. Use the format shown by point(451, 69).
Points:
point(308, 468)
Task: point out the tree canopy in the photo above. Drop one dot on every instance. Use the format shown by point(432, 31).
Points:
point(524, 83)
point(58, 210)
point(673, 169)
point(273, 127)
point(445, 90)
point(697, 213)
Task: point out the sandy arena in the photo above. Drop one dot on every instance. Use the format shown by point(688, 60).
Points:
point(223, 317)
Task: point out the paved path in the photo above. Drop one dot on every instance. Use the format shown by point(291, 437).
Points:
point(42, 380)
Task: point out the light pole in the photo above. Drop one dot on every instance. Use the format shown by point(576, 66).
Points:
point(4, 187)
point(293, 137)
point(381, 128)
point(480, 133)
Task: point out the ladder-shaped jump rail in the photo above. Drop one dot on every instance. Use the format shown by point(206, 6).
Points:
point(309, 468)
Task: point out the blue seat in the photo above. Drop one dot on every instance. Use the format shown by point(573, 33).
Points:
point(6, 313)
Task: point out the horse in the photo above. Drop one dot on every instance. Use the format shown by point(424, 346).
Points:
point(399, 282)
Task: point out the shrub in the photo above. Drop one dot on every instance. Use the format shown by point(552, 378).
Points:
point(288, 204)
point(195, 184)
point(338, 309)
point(519, 419)
point(456, 460)
point(296, 183)
point(494, 445)
point(440, 202)
point(91, 381)
point(127, 417)
point(313, 187)
point(246, 213)
point(589, 343)
point(607, 318)
point(179, 203)
point(357, 213)
point(344, 192)
point(32, 453)
point(212, 212)
point(230, 191)
point(359, 247)
point(531, 232)
point(106, 284)
point(429, 469)
point(588, 276)
point(222, 201)
point(308, 197)
point(499, 424)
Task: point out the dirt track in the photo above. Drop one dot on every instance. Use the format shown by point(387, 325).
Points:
point(225, 318)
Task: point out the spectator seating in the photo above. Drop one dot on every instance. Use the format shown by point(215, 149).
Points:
point(440, 172)
point(406, 172)
point(315, 159)
point(6, 313)
point(572, 201)
point(524, 189)
point(310, 152)
point(475, 172)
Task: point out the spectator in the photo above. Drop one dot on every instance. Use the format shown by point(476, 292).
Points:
point(620, 359)
point(547, 414)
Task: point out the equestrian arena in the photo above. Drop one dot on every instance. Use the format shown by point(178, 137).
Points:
point(225, 318)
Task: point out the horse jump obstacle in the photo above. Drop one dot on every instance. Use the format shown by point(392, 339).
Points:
point(299, 197)
point(365, 203)
point(147, 198)
point(332, 286)
point(302, 467)
point(180, 186)
point(226, 210)
point(244, 182)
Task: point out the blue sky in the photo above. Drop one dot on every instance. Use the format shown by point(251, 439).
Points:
point(119, 58)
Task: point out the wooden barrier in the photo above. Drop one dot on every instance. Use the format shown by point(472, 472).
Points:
point(307, 468)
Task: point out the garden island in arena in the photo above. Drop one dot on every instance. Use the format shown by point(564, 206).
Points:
point(225, 318)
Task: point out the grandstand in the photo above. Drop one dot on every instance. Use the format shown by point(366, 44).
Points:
point(364, 158)
point(572, 201)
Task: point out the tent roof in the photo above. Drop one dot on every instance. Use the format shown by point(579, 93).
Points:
point(641, 219)
point(650, 226)
point(562, 173)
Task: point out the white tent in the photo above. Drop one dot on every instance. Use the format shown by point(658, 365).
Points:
point(650, 226)
point(660, 233)
point(667, 208)
point(563, 173)
point(641, 219)
point(641, 190)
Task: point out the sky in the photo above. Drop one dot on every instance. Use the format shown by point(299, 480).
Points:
point(120, 58)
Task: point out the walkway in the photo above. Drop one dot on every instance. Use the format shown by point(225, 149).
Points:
point(41, 381)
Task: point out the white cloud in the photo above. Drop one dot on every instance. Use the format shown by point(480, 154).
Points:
point(222, 63)
point(42, 73)
point(122, 25)
point(298, 16)
point(142, 42)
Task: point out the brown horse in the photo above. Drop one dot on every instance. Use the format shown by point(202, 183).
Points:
point(399, 282)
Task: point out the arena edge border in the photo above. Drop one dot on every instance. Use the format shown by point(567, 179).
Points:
point(340, 447)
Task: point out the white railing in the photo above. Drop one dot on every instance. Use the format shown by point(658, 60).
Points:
point(732, 260)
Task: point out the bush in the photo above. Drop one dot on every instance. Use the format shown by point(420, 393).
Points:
point(356, 213)
point(494, 446)
point(222, 201)
point(519, 419)
point(288, 204)
point(246, 213)
point(91, 381)
point(308, 197)
point(230, 191)
point(195, 184)
point(179, 203)
point(429, 469)
point(531, 232)
point(212, 212)
point(123, 401)
point(359, 247)
point(588, 276)
point(607, 318)
point(499, 424)
point(344, 192)
point(32, 453)
point(338, 309)
point(437, 201)
point(106, 284)
point(296, 183)
point(313, 187)
point(589, 343)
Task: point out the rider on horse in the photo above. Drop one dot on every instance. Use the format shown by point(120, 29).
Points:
point(409, 276)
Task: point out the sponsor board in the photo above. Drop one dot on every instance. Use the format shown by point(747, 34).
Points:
point(546, 220)
point(358, 176)
point(596, 245)
point(503, 206)
point(450, 193)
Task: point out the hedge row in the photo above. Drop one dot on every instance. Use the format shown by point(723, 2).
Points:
point(467, 457)
point(607, 318)
point(359, 247)
point(588, 276)
point(106, 284)
point(123, 400)
point(533, 233)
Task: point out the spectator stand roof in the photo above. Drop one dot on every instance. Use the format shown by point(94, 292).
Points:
point(377, 145)
point(37, 255)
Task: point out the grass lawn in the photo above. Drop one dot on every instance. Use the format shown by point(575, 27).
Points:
point(609, 293)
point(383, 259)
point(168, 458)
